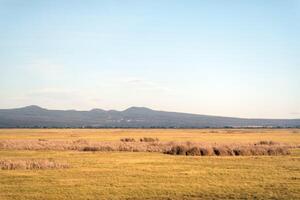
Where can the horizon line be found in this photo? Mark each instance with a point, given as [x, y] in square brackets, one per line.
[143, 108]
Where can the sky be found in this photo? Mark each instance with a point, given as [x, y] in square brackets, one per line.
[215, 57]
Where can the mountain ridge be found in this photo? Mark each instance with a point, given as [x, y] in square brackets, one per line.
[132, 117]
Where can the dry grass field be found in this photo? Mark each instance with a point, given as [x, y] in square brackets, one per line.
[41, 174]
[199, 135]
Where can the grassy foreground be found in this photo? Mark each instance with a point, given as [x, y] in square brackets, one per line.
[153, 176]
[137, 175]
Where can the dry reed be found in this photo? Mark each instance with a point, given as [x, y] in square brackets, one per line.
[31, 164]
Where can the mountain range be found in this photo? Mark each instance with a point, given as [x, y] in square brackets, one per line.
[133, 117]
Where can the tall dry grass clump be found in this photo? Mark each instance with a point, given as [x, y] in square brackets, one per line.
[31, 164]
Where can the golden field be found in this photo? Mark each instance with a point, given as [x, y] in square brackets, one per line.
[151, 175]
[196, 135]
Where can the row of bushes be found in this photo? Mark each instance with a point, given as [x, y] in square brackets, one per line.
[145, 139]
[246, 150]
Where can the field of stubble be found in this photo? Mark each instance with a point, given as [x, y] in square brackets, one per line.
[148, 175]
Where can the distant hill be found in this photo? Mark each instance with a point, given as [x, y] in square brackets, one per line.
[134, 117]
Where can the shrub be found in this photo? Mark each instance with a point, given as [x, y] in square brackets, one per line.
[283, 151]
[177, 150]
[216, 151]
[194, 151]
[272, 143]
[241, 151]
[98, 148]
[265, 142]
[237, 152]
[172, 151]
[205, 152]
[258, 150]
[148, 139]
[278, 151]
[127, 140]
[223, 151]
[90, 148]
[181, 150]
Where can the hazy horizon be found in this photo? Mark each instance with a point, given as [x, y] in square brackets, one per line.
[121, 110]
[222, 58]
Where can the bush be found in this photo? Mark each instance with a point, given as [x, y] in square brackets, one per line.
[242, 151]
[99, 148]
[205, 152]
[181, 150]
[278, 151]
[148, 139]
[223, 151]
[127, 140]
[258, 150]
[90, 148]
[177, 150]
[265, 142]
[194, 151]
[220, 151]
[283, 151]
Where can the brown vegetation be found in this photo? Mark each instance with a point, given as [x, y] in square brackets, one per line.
[82, 145]
[31, 164]
[97, 148]
[266, 142]
[127, 140]
[228, 150]
[149, 139]
[174, 148]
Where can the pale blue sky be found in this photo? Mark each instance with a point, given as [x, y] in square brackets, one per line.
[230, 58]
